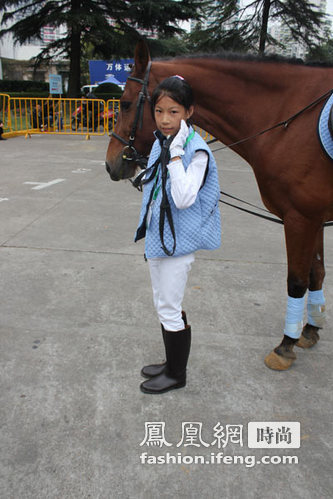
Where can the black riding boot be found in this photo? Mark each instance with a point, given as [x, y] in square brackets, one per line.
[156, 369]
[177, 349]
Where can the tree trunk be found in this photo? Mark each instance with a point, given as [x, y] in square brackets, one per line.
[74, 85]
[264, 26]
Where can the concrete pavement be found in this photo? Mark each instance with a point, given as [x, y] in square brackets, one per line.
[77, 323]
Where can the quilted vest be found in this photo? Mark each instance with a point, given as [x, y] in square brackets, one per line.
[197, 227]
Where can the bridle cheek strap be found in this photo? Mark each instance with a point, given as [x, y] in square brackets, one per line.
[138, 121]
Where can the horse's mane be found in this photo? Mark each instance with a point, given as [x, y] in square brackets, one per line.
[236, 56]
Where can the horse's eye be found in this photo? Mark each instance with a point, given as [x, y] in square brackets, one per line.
[124, 105]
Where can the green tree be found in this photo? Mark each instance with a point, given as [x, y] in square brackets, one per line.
[241, 27]
[322, 53]
[111, 27]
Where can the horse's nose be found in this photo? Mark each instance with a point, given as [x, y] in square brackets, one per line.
[108, 169]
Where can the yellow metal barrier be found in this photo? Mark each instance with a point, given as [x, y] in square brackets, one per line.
[205, 135]
[27, 115]
[112, 107]
[4, 112]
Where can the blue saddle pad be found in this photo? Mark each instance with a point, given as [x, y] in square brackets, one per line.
[325, 136]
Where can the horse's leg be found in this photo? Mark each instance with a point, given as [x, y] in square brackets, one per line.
[316, 300]
[301, 236]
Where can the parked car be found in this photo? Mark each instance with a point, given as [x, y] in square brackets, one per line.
[86, 89]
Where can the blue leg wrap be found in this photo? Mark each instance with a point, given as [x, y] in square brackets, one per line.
[316, 308]
[294, 317]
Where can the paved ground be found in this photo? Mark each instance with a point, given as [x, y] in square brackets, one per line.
[77, 324]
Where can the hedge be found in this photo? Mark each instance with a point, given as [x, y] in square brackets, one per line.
[108, 91]
[8, 86]
[33, 95]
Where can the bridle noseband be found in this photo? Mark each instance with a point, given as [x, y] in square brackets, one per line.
[129, 152]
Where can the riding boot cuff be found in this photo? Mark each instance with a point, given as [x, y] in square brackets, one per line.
[155, 369]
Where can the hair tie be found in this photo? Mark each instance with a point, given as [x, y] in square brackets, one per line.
[178, 76]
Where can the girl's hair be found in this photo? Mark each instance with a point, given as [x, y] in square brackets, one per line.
[177, 89]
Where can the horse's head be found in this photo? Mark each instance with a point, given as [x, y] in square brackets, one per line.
[133, 135]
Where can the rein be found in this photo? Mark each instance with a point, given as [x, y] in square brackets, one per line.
[265, 217]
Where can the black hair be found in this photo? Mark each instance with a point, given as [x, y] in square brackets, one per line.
[177, 89]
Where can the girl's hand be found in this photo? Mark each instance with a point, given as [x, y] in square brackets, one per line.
[177, 145]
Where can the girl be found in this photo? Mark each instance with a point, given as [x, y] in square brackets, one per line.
[179, 215]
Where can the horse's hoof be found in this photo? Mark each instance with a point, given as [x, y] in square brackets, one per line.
[277, 362]
[309, 337]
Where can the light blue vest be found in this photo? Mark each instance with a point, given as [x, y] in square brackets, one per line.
[197, 227]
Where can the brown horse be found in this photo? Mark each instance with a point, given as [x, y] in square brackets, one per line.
[236, 97]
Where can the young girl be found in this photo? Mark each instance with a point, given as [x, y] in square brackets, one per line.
[179, 215]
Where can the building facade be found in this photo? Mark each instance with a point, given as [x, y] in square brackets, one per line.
[16, 60]
[290, 47]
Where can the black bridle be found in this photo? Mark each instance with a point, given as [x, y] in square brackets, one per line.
[129, 152]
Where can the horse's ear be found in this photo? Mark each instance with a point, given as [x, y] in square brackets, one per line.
[141, 57]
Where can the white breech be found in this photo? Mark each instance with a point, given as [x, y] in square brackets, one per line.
[168, 279]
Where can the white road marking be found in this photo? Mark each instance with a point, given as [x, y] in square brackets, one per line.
[81, 170]
[42, 185]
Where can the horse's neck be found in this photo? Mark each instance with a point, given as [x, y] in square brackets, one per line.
[235, 99]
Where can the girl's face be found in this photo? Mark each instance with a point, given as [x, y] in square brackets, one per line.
[168, 115]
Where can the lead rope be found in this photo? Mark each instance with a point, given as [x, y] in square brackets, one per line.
[165, 208]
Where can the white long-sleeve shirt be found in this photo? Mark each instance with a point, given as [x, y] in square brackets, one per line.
[185, 184]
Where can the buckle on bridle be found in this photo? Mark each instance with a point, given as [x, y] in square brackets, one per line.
[132, 150]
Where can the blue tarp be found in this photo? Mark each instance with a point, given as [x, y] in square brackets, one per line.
[111, 79]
